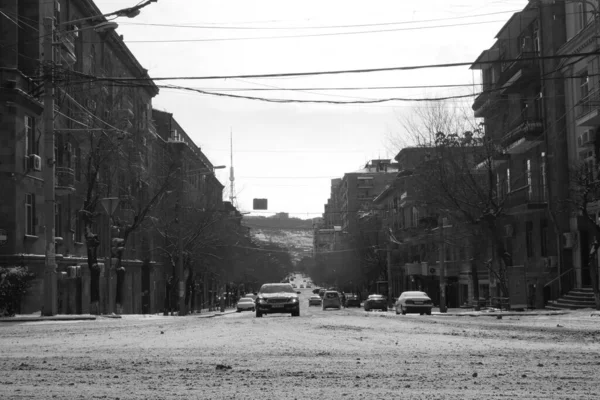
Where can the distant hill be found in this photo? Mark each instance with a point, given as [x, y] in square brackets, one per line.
[294, 233]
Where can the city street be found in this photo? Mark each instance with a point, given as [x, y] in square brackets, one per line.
[346, 354]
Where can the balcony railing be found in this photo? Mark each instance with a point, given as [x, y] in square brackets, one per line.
[523, 135]
[65, 181]
[524, 67]
[528, 195]
[588, 104]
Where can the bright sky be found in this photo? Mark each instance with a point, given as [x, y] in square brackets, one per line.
[288, 153]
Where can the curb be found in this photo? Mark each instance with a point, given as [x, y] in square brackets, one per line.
[219, 314]
[53, 318]
[500, 314]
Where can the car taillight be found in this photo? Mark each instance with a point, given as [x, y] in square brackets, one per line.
[410, 302]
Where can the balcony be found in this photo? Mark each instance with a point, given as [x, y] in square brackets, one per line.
[518, 73]
[484, 103]
[364, 183]
[495, 162]
[526, 198]
[65, 181]
[525, 135]
[66, 40]
[587, 110]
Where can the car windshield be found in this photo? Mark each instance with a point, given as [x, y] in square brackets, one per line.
[376, 296]
[246, 300]
[414, 294]
[331, 295]
[277, 289]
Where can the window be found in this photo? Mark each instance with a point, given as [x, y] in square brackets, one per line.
[528, 179]
[78, 164]
[415, 217]
[30, 214]
[30, 144]
[529, 238]
[544, 238]
[78, 237]
[58, 219]
[543, 172]
[584, 86]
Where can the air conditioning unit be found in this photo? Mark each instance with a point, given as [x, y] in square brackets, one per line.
[90, 104]
[586, 139]
[35, 162]
[570, 239]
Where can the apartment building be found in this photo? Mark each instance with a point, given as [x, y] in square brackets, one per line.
[522, 106]
[108, 144]
[582, 117]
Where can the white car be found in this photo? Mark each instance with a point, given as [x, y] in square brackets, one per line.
[245, 304]
[413, 302]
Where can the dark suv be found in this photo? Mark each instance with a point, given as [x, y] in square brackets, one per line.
[277, 298]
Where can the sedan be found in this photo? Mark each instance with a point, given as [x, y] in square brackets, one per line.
[245, 304]
[376, 302]
[352, 300]
[332, 299]
[413, 302]
[314, 300]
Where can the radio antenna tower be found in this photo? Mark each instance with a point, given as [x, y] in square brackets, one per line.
[231, 175]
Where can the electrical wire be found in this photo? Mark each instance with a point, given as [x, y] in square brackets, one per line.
[200, 26]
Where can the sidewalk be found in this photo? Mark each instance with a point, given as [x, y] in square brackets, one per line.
[36, 317]
[496, 312]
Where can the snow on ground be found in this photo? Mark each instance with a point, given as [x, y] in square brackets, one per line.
[347, 354]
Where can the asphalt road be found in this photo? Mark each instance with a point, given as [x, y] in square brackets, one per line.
[346, 354]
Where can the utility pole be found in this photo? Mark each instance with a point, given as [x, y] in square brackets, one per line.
[180, 269]
[390, 293]
[442, 267]
[49, 306]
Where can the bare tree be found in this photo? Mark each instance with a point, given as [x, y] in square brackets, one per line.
[459, 180]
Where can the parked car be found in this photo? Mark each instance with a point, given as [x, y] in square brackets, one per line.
[314, 300]
[277, 298]
[352, 300]
[376, 302]
[413, 302]
[332, 299]
[253, 296]
[245, 304]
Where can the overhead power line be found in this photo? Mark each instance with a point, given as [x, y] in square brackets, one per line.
[311, 34]
[217, 26]
[346, 71]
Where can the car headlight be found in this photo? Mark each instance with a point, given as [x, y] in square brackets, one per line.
[294, 300]
[262, 301]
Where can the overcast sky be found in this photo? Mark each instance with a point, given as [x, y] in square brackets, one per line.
[289, 152]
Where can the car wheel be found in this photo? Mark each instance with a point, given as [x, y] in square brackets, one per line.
[402, 310]
[296, 313]
[384, 309]
[238, 310]
[396, 309]
[258, 314]
[366, 308]
[428, 312]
